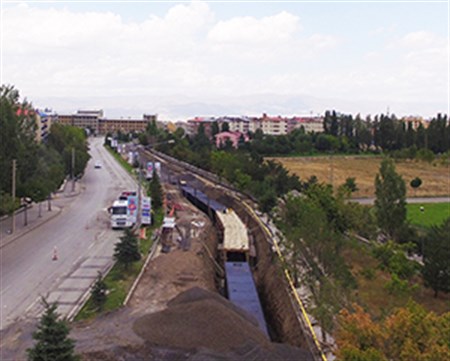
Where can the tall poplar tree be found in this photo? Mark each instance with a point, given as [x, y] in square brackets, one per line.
[390, 202]
[436, 256]
[155, 191]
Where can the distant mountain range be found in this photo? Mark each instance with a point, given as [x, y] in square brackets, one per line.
[182, 107]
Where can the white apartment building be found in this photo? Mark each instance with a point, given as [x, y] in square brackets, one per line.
[270, 125]
[309, 123]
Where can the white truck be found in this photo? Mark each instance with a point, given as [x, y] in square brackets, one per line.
[120, 215]
[124, 210]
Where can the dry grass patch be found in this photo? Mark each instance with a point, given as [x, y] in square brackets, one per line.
[336, 169]
[372, 292]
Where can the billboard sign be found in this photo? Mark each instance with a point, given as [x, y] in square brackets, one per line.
[146, 217]
[158, 168]
[132, 208]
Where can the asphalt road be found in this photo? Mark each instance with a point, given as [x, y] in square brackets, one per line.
[417, 200]
[83, 240]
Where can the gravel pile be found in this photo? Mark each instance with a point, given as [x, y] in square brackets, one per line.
[200, 319]
[200, 325]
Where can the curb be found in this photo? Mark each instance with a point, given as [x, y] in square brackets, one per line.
[144, 266]
[85, 297]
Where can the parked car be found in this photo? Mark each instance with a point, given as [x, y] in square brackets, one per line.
[97, 164]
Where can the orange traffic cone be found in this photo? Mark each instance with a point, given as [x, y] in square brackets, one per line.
[55, 254]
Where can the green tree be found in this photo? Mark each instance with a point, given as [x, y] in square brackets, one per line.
[126, 251]
[7, 204]
[64, 138]
[387, 133]
[18, 125]
[51, 336]
[215, 128]
[98, 292]
[155, 191]
[225, 127]
[390, 202]
[436, 256]
[415, 183]
[350, 184]
[410, 135]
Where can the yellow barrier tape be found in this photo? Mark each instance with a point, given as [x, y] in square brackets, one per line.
[291, 284]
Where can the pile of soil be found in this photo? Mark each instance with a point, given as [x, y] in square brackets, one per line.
[199, 319]
[200, 325]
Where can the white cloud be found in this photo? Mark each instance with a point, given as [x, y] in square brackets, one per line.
[252, 31]
[50, 53]
[421, 39]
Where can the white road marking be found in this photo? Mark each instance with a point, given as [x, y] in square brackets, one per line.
[5, 289]
[77, 260]
[32, 305]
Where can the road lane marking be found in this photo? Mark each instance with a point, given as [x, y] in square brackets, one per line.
[5, 289]
[77, 260]
[32, 304]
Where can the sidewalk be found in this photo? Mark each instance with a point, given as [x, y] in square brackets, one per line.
[31, 215]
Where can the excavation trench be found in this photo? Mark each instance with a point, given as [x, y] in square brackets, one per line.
[279, 310]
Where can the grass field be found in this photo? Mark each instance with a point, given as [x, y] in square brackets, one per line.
[433, 213]
[336, 169]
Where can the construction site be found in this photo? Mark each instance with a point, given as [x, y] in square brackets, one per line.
[181, 308]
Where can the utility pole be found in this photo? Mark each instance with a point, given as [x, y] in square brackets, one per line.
[13, 192]
[73, 169]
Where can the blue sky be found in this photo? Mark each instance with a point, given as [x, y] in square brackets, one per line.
[181, 59]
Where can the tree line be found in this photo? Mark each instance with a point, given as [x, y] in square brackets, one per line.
[265, 181]
[344, 133]
[40, 167]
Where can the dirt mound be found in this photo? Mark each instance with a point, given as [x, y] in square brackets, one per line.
[199, 320]
[199, 294]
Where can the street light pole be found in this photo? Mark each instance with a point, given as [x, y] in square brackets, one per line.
[73, 169]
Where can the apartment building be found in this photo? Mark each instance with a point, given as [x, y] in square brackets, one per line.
[122, 125]
[96, 122]
[416, 121]
[235, 124]
[44, 120]
[309, 123]
[267, 124]
[194, 124]
[272, 125]
[86, 119]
